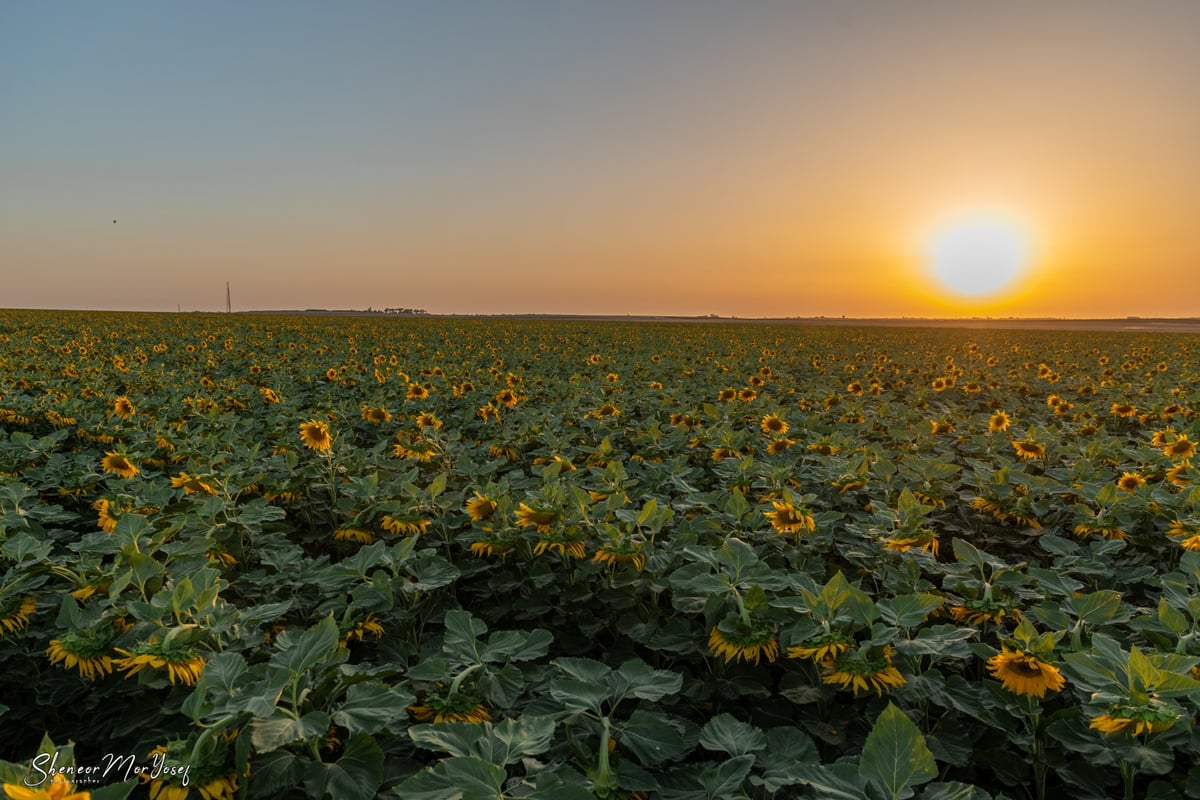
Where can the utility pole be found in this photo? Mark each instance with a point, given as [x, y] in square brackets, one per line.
[228, 305]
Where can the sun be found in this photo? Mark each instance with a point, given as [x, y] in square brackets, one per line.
[977, 255]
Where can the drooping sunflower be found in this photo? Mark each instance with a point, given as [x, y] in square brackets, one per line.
[859, 672]
[369, 626]
[1030, 450]
[480, 507]
[777, 446]
[59, 788]
[401, 526]
[786, 518]
[191, 485]
[15, 615]
[540, 519]
[442, 705]
[736, 640]
[1123, 410]
[615, 553]
[1024, 673]
[493, 545]
[1130, 481]
[563, 544]
[1137, 720]
[315, 435]
[212, 780]
[117, 464]
[999, 422]
[123, 407]
[937, 427]
[182, 664]
[980, 612]
[353, 535]
[925, 539]
[1178, 474]
[826, 646]
[86, 651]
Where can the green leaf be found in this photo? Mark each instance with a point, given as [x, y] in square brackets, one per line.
[299, 651]
[788, 751]
[654, 737]
[895, 754]
[908, 610]
[518, 645]
[371, 707]
[840, 781]
[279, 730]
[953, 790]
[727, 734]
[458, 778]
[462, 630]
[579, 696]
[515, 739]
[636, 678]
[1098, 607]
[357, 775]
[583, 669]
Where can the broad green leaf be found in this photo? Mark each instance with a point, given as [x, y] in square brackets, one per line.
[462, 631]
[279, 730]
[579, 696]
[636, 678]
[458, 778]
[517, 645]
[357, 775]
[1099, 607]
[298, 651]
[788, 751]
[840, 781]
[909, 610]
[371, 707]
[727, 734]
[654, 737]
[895, 755]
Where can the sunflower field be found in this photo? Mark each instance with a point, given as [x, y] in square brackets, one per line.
[356, 557]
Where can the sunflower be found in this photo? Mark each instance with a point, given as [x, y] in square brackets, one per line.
[564, 546]
[777, 446]
[999, 422]
[528, 517]
[924, 539]
[786, 518]
[404, 527]
[489, 546]
[726, 394]
[825, 647]
[474, 713]
[488, 412]
[507, 398]
[1123, 410]
[176, 774]
[1130, 481]
[621, 553]
[1022, 673]
[1030, 450]
[981, 612]
[416, 392]
[480, 507]
[747, 394]
[1093, 527]
[183, 664]
[361, 630]
[941, 427]
[376, 416]
[1181, 448]
[605, 410]
[353, 535]
[268, 394]
[315, 435]
[771, 424]
[1178, 473]
[191, 485]
[858, 672]
[79, 650]
[123, 408]
[735, 639]
[1137, 720]
[118, 465]
[59, 788]
[16, 616]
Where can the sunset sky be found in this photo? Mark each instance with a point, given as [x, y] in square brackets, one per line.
[622, 157]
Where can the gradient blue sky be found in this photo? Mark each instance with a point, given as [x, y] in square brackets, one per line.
[674, 157]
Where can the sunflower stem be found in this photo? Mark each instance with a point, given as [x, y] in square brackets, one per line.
[460, 677]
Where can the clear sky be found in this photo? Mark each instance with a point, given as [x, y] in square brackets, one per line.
[665, 157]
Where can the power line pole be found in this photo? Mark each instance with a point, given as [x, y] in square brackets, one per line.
[228, 305]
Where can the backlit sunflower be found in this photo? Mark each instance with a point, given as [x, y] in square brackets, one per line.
[182, 664]
[123, 408]
[15, 615]
[737, 640]
[315, 435]
[999, 422]
[1030, 450]
[118, 465]
[1026, 674]
[1130, 481]
[59, 788]
[863, 673]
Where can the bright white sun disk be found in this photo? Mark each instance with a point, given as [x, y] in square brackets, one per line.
[978, 255]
